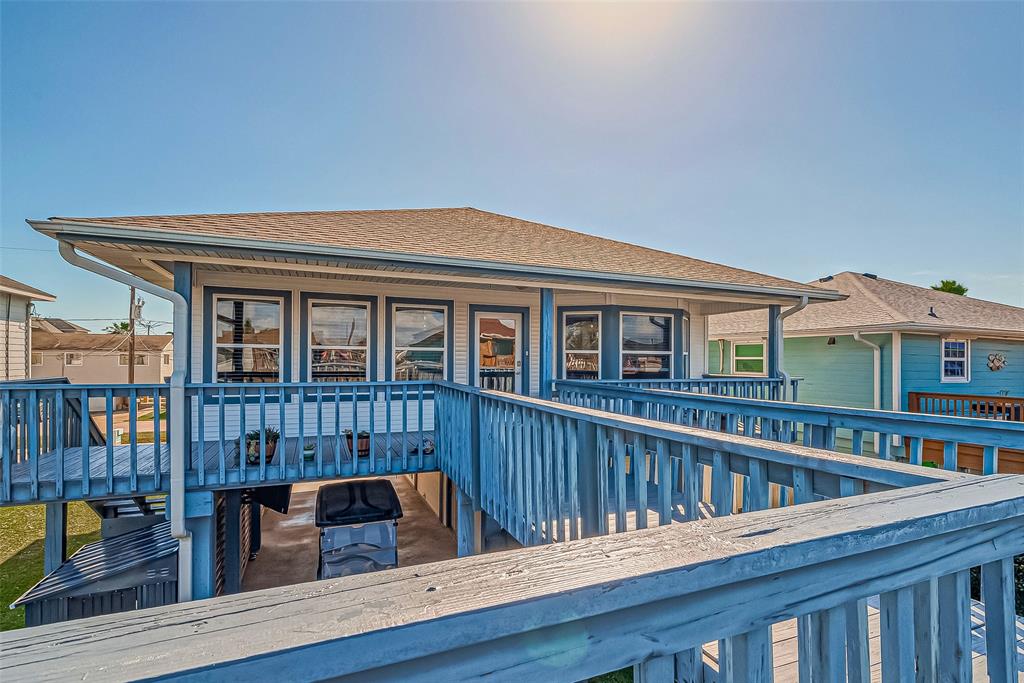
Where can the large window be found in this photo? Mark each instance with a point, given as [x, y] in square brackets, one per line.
[339, 335]
[582, 346]
[140, 359]
[748, 358]
[956, 360]
[247, 339]
[420, 336]
[646, 345]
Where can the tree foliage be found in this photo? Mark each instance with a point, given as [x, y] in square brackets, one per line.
[951, 286]
[121, 327]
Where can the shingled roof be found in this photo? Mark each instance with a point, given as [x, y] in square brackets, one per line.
[86, 341]
[877, 303]
[12, 286]
[452, 233]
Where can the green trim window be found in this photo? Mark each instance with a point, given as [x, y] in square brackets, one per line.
[582, 346]
[748, 358]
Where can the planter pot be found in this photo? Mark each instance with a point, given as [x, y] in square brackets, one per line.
[252, 451]
[309, 453]
[363, 445]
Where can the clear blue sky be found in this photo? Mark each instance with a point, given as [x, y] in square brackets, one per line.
[795, 139]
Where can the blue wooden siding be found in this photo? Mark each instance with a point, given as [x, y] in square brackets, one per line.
[921, 368]
[840, 374]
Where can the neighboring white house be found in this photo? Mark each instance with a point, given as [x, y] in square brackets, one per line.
[16, 303]
[86, 358]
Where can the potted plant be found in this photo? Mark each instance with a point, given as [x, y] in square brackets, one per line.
[309, 452]
[252, 444]
[363, 442]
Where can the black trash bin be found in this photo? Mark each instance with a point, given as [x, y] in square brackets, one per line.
[358, 523]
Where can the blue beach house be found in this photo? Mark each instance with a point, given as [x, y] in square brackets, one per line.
[889, 345]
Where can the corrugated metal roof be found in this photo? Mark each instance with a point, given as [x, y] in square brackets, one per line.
[105, 559]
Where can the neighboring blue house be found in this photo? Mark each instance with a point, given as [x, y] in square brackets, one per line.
[886, 341]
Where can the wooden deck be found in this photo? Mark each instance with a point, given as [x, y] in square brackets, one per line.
[785, 656]
[111, 470]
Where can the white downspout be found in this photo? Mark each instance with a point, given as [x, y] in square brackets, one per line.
[176, 407]
[876, 374]
[781, 338]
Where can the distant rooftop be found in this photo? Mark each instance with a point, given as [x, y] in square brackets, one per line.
[11, 286]
[876, 303]
[86, 341]
[57, 325]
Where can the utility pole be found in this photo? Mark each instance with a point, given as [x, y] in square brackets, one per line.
[131, 338]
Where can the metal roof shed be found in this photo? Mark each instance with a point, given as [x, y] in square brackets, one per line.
[131, 571]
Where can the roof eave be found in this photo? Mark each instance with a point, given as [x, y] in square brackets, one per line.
[52, 228]
[910, 328]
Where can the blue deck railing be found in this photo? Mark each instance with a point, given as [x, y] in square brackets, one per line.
[814, 425]
[768, 388]
[864, 588]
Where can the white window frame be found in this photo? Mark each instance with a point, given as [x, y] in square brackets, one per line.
[309, 334]
[395, 348]
[566, 351]
[166, 359]
[279, 300]
[32, 358]
[763, 357]
[966, 359]
[671, 353]
[122, 360]
[68, 362]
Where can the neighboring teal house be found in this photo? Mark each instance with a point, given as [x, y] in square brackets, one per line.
[886, 340]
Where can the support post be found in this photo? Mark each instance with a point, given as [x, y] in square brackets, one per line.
[469, 523]
[256, 530]
[774, 341]
[201, 523]
[547, 339]
[232, 541]
[55, 549]
[588, 479]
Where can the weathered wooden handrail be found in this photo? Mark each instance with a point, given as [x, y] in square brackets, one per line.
[1009, 408]
[783, 421]
[552, 472]
[769, 388]
[570, 611]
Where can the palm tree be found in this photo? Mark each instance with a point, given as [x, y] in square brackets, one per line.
[951, 286]
[121, 327]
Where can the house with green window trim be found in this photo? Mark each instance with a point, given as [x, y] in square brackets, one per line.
[886, 342]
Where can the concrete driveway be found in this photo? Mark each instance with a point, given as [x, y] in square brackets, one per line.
[291, 542]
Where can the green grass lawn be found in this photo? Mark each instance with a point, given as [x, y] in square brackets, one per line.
[21, 551]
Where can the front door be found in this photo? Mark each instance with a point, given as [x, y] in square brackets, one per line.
[499, 351]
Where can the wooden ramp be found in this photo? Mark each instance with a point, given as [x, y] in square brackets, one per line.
[787, 668]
